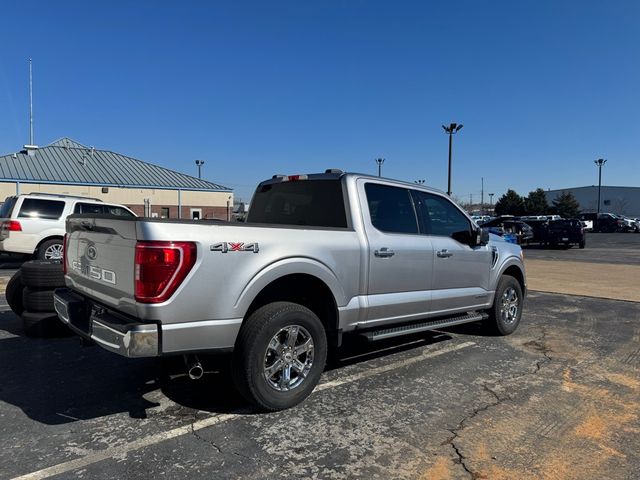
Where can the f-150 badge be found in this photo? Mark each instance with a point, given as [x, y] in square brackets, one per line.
[225, 247]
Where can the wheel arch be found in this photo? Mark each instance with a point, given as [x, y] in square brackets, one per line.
[46, 239]
[306, 283]
[518, 273]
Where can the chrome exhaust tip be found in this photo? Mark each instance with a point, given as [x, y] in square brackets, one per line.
[194, 367]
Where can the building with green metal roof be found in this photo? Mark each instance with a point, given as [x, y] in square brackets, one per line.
[69, 167]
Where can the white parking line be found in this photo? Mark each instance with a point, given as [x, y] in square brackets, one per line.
[147, 441]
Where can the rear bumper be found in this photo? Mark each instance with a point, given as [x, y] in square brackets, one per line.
[133, 338]
[111, 331]
[12, 244]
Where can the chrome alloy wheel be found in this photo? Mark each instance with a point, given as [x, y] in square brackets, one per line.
[289, 358]
[53, 252]
[509, 305]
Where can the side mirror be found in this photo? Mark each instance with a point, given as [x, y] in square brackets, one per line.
[482, 236]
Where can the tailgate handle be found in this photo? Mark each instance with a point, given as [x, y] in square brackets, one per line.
[87, 225]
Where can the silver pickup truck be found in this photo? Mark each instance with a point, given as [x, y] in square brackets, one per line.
[320, 255]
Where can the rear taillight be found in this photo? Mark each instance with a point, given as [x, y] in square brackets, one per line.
[64, 253]
[160, 268]
[12, 226]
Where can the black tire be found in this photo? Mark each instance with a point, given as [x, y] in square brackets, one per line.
[50, 250]
[43, 325]
[42, 274]
[38, 300]
[503, 318]
[267, 324]
[13, 293]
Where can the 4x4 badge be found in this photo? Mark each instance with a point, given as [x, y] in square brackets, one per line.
[225, 247]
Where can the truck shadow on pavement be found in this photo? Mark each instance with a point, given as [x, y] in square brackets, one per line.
[57, 380]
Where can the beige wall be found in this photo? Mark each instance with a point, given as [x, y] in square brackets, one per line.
[213, 204]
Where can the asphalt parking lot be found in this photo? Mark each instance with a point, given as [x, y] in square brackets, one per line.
[559, 399]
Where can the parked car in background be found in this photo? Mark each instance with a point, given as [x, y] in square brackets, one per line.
[509, 225]
[539, 227]
[34, 223]
[630, 225]
[603, 222]
[566, 232]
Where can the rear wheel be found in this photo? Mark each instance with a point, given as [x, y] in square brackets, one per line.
[279, 355]
[50, 250]
[505, 314]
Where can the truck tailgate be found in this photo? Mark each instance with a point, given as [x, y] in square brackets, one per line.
[99, 256]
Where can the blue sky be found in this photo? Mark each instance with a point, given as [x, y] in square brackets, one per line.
[255, 88]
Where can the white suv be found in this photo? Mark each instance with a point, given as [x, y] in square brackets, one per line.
[34, 223]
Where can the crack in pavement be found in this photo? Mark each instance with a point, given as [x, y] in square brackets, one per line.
[539, 345]
[219, 450]
[461, 459]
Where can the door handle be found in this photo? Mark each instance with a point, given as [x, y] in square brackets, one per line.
[444, 253]
[384, 252]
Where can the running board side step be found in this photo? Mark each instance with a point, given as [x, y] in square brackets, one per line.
[373, 335]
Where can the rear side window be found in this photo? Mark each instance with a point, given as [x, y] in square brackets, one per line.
[88, 208]
[391, 208]
[7, 207]
[316, 203]
[39, 208]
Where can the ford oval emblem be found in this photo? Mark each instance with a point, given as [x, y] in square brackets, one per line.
[92, 253]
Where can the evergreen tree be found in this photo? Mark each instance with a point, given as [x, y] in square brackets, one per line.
[510, 204]
[566, 205]
[536, 203]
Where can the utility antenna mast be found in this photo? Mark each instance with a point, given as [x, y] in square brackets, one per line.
[30, 103]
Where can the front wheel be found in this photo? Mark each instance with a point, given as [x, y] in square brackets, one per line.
[279, 355]
[505, 314]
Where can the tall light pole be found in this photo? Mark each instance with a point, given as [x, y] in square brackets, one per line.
[451, 130]
[380, 161]
[199, 163]
[600, 162]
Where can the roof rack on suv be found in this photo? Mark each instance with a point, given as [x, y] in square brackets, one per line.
[62, 195]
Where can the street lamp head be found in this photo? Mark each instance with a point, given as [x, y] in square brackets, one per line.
[600, 162]
[380, 161]
[199, 162]
[452, 128]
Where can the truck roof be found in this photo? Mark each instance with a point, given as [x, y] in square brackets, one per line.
[335, 174]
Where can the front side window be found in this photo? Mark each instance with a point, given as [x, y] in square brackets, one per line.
[441, 217]
[40, 208]
[391, 208]
[117, 211]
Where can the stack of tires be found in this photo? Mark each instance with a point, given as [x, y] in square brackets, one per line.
[30, 295]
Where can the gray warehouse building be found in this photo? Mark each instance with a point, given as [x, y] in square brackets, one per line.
[70, 168]
[619, 200]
